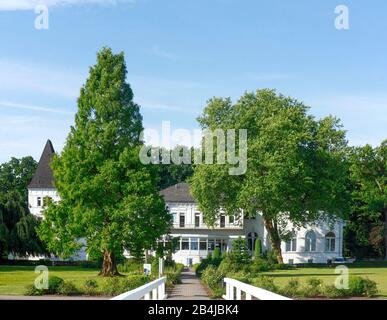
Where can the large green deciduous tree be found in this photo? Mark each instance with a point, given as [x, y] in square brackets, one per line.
[369, 179]
[108, 197]
[17, 225]
[296, 166]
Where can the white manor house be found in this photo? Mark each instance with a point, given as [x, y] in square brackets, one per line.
[321, 242]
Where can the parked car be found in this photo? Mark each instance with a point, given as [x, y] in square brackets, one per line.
[342, 260]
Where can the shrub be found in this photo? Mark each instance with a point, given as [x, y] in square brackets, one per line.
[212, 277]
[31, 290]
[117, 285]
[240, 251]
[266, 283]
[195, 266]
[54, 285]
[313, 288]
[359, 286]
[131, 266]
[258, 249]
[332, 292]
[68, 288]
[90, 287]
[216, 253]
[217, 292]
[260, 265]
[292, 289]
[229, 264]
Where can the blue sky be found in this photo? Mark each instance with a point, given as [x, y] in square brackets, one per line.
[181, 53]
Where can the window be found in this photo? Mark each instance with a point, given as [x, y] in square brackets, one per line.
[310, 261]
[290, 261]
[39, 201]
[222, 221]
[174, 214]
[194, 244]
[182, 220]
[203, 244]
[197, 220]
[251, 237]
[330, 242]
[185, 244]
[211, 245]
[231, 219]
[291, 244]
[310, 241]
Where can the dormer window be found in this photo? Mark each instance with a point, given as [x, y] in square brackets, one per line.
[182, 220]
[197, 220]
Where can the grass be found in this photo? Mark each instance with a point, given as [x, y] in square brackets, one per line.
[376, 271]
[14, 279]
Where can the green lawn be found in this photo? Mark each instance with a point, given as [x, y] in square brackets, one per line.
[14, 279]
[376, 271]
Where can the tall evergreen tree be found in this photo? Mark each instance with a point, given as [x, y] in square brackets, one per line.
[108, 197]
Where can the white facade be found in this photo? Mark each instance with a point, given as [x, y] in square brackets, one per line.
[196, 240]
[36, 198]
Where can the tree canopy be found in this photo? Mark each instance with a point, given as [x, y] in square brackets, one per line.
[17, 225]
[367, 228]
[296, 166]
[108, 197]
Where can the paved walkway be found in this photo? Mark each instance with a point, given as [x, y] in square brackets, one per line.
[189, 289]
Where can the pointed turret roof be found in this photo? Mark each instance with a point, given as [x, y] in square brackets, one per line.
[43, 177]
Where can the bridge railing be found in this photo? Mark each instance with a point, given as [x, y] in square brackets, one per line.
[154, 290]
[235, 289]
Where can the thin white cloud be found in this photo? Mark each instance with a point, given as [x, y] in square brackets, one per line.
[13, 5]
[22, 77]
[157, 51]
[13, 105]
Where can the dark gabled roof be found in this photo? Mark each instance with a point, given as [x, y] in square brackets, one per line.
[43, 177]
[177, 193]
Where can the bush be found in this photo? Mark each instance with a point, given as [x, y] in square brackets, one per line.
[31, 290]
[292, 289]
[332, 292]
[117, 285]
[212, 277]
[260, 265]
[90, 287]
[131, 266]
[216, 253]
[314, 288]
[68, 288]
[359, 286]
[258, 249]
[54, 285]
[229, 264]
[266, 283]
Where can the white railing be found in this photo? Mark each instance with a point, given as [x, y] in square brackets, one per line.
[154, 290]
[249, 291]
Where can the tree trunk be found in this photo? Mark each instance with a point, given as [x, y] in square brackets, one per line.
[274, 239]
[109, 265]
[385, 233]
